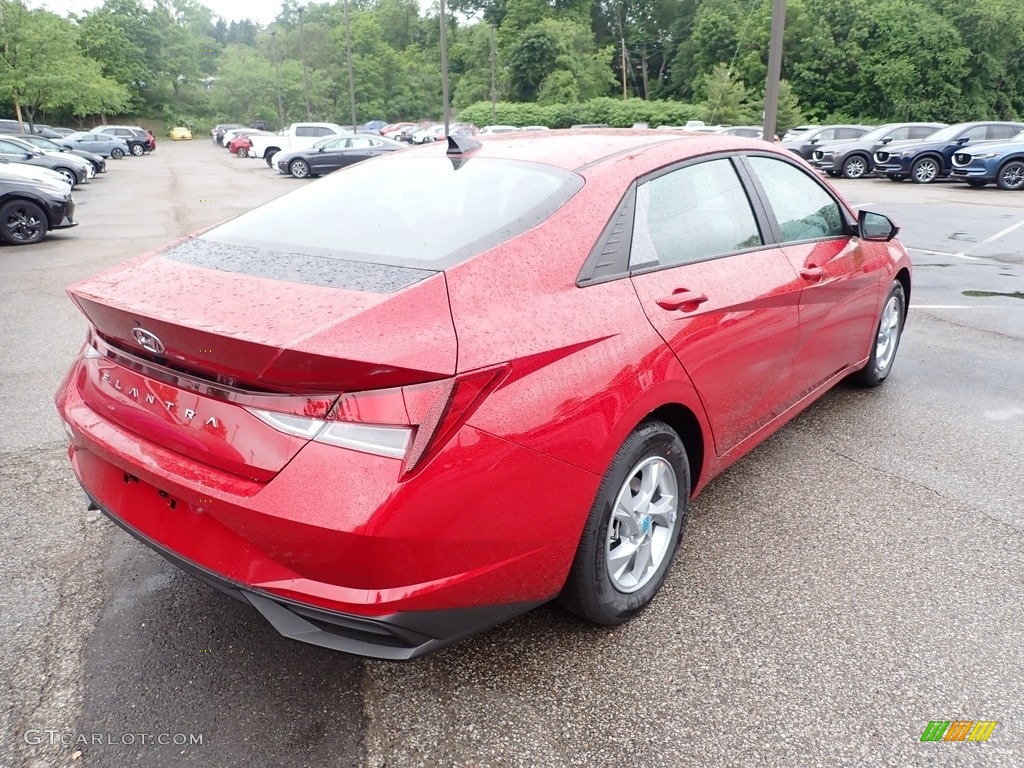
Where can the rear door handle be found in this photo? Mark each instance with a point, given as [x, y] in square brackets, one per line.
[683, 299]
[812, 273]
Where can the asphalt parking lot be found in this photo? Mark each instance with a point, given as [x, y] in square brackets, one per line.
[857, 576]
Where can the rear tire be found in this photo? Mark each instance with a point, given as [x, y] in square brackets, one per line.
[633, 531]
[22, 222]
[888, 333]
[242, 152]
[138, 150]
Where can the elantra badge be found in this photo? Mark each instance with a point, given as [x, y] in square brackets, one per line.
[148, 340]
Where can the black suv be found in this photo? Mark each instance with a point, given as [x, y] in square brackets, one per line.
[139, 140]
[930, 159]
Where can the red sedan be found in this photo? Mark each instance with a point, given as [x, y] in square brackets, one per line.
[240, 145]
[498, 379]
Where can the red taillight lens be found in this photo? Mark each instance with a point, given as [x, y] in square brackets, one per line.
[410, 423]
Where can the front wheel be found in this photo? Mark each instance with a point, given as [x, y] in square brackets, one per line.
[925, 170]
[22, 222]
[137, 150]
[68, 175]
[1011, 175]
[117, 153]
[634, 528]
[855, 167]
[887, 339]
[299, 169]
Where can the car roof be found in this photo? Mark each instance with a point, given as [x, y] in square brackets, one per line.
[579, 150]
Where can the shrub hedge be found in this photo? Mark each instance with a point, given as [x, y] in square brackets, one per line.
[617, 113]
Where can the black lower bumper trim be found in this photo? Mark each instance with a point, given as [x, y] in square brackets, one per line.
[394, 637]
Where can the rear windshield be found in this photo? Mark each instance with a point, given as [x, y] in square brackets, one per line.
[426, 212]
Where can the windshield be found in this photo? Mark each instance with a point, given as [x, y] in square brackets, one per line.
[950, 132]
[427, 212]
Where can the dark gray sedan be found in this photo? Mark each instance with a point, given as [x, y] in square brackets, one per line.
[97, 161]
[805, 144]
[74, 170]
[99, 143]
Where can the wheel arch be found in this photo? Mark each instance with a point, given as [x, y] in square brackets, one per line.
[47, 213]
[684, 423]
[903, 276]
[270, 151]
[1017, 158]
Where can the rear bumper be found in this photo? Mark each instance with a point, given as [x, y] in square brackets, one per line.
[393, 637]
[336, 539]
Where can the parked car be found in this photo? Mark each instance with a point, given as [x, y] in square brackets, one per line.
[343, 406]
[428, 135]
[332, 153]
[929, 159]
[66, 131]
[393, 130]
[75, 170]
[103, 144]
[180, 133]
[217, 133]
[139, 140]
[46, 132]
[854, 159]
[296, 136]
[808, 141]
[34, 173]
[992, 162]
[797, 130]
[99, 165]
[241, 143]
[259, 125]
[29, 209]
[744, 131]
[489, 130]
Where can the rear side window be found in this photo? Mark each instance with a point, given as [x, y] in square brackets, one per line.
[849, 133]
[695, 213]
[305, 130]
[921, 132]
[997, 132]
[424, 212]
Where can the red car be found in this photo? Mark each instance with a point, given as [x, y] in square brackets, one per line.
[500, 382]
[240, 145]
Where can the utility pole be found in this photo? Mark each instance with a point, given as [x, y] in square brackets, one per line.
[277, 77]
[351, 71]
[305, 76]
[444, 69]
[494, 80]
[771, 86]
[623, 68]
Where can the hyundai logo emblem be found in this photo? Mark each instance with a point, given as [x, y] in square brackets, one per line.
[148, 340]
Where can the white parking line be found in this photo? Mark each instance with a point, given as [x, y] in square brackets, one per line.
[987, 240]
[928, 252]
[960, 306]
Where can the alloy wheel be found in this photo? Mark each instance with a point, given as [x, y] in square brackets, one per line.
[888, 334]
[23, 224]
[641, 527]
[137, 150]
[299, 169]
[1011, 175]
[854, 167]
[925, 170]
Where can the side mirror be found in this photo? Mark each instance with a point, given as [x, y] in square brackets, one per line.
[963, 140]
[29, 155]
[813, 141]
[887, 139]
[876, 227]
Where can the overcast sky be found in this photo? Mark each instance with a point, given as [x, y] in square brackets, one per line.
[263, 11]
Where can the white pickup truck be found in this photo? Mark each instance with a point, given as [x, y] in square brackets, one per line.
[295, 136]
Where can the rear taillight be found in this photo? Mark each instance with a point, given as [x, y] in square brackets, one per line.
[410, 423]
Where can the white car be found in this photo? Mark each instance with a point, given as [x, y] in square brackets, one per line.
[43, 176]
[295, 136]
[487, 130]
[429, 134]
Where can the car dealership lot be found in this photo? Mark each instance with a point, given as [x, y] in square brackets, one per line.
[854, 578]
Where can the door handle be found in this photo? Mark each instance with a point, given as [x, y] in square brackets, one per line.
[812, 273]
[683, 299]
